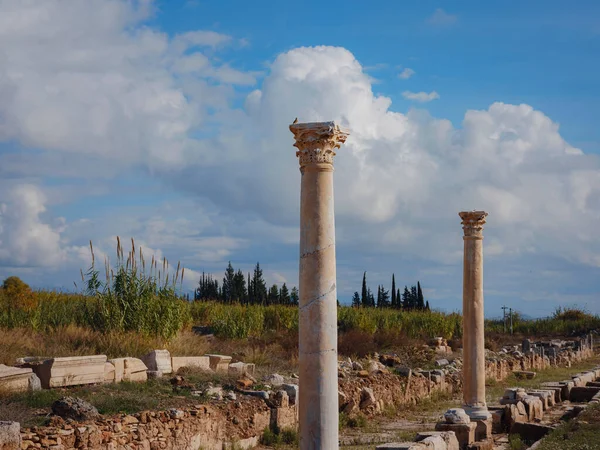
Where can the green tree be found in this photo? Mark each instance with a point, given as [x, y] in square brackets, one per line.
[228, 287]
[356, 300]
[427, 308]
[398, 299]
[414, 298]
[284, 295]
[239, 292]
[406, 304]
[420, 299]
[383, 298]
[259, 286]
[365, 297]
[394, 305]
[273, 295]
[294, 297]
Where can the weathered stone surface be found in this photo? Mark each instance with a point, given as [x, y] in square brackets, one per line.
[74, 408]
[281, 399]
[35, 384]
[404, 446]
[275, 379]
[69, 371]
[109, 372]
[448, 438]
[483, 430]
[534, 407]
[292, 392]
[197, 362]
[129, 369]
[241, 368]
[219, 363]
[465, 432]
[498, 424]
[154, 374]
[583, 393]
[159, 360]
[456, 415]
[10, 436]
[14, 379]
[442, 362]
[367, 398]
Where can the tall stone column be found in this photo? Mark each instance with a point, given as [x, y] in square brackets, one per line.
[318, 402]
[473, 320]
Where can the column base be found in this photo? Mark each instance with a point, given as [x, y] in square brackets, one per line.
[477, 412]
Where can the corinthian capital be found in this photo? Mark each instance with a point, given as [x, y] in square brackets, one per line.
[472, 222]
[316, 141]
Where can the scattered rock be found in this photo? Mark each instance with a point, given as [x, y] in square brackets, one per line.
[523, 374]
[231, 396]
[357, 366]
[10, 436]
[74, 408]
[442, 362]
[363, 374]
[35, 383]
[214, 392]
[176, 413]
[275, 379]
[456, 415]
[292, 392]
[367, 398]
[244, 383]
[281, 399]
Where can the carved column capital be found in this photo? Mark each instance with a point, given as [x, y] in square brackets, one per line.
[473, 222]
[316, 141]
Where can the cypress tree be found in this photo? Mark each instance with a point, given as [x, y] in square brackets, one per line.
[379, 304]
[365, 298]
[414, 298]
[394, 291]
[273, 295]
[239, 293]
[420, 300]
[427, 306]
[398, 299]
[259, 286]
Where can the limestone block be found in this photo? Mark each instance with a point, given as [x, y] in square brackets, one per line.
[483, 430]
[284, 417]
[404, 446]
[129, 369]
[70, 371]
[197, 362]
[534, 407]
[219, 363]
[556, 388]
[10, 436]
[14, 379]
[514, 414]
[447, 437]
[567, 386]
[241, 368]
[498, 423]
[292, 392]
[158, 360]
[109, 372]
[465, 432]
[35, 383]
[524, 374]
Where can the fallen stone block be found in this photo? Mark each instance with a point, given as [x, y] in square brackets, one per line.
[534, 407]
[530, 432]
[159, 360]
[292, 391]
[109, 372]
[567, 386]
[524, 374]
[10, 436]
[543, 396]
[74, 408]
[515, 414]
[14, 379]
[197, 362]
[583, 394]
[284, 418]
[241, 368]
[498, 425]
[219, 363]
[440, 439]
[129, 369]
[465, 432]
[557, 388]
[69, 371]
[404, 446]
[483, 429]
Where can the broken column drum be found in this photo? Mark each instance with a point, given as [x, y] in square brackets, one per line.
[318, 393]
[473, 320]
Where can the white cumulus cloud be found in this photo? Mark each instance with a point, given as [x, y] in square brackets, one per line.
[406, 74]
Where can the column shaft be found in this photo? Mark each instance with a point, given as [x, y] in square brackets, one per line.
[473, 317]
[318, 311]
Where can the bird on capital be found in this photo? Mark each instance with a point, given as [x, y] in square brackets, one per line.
[295, 120]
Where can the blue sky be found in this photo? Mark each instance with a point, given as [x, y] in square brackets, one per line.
[167, 122]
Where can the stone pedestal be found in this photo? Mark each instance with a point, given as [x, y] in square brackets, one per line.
[318, 403]
[465, 432]
[473, 322]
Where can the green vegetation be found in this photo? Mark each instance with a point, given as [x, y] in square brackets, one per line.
[580, 433]
[564, 322]
[277, 438]
[515, 442]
